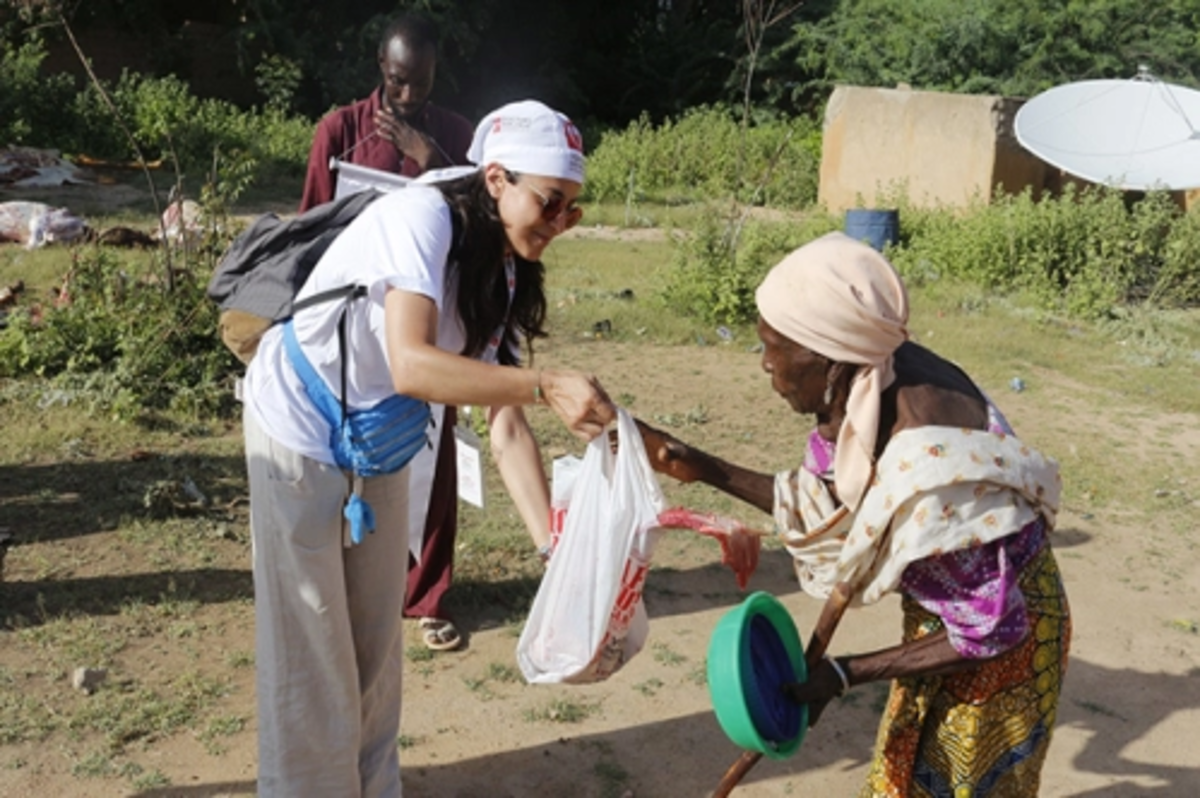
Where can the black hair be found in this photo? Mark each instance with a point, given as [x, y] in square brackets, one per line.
[417, 32]
[476, 267]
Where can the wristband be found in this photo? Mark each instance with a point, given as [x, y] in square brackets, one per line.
[538, 397]
[544, 552]
[841, 672]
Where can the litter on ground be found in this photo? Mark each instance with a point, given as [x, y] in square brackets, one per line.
[29, 167]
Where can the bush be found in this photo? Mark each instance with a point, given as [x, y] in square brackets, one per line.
[718, 265]
[30, 103]
[1082, 254]
[133, 345]
[167, 122]
[163, 116]
[1085, 254]
[705, 156]
[124, 336]
[1174, 279]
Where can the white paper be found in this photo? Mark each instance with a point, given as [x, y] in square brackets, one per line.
[420, 482]
[352, 178]
[470, 466]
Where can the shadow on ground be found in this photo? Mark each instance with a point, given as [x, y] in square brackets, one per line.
[35, 602]
[73, 498]
[692, 753]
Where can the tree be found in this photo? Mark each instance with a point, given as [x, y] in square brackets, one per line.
[1011, 47]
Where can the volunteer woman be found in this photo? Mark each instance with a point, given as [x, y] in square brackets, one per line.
[451, 284]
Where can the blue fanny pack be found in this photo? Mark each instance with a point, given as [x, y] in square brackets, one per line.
[368, 443]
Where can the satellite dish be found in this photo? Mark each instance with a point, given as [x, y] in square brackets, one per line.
[1138, 134]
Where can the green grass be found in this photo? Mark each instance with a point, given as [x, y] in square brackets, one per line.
[649, 687]
[40, 269]
[562, 710]
[154, 779]
[664, 655]
[591, 281]
[421, 653]
[503, 672]
[496, 673]
[1185, 625]
[219, 728]
[124, 714]
[97, 764]
[24, 716]
[641, 214]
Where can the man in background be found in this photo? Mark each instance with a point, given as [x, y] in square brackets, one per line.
[398, 130]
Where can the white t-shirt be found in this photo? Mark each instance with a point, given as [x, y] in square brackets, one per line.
[401, 240]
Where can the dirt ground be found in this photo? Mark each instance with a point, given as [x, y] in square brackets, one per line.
[1127, 726]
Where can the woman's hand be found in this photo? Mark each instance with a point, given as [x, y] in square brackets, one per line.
[579, 400]
[671, 456]
[823, 685]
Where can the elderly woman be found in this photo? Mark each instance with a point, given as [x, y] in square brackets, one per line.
[911, 482]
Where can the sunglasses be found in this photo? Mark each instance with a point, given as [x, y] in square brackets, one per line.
[552, 207]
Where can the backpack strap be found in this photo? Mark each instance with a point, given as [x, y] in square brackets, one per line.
[323, 398]
[348, 292]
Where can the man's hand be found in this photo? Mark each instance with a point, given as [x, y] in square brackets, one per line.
[407, 140]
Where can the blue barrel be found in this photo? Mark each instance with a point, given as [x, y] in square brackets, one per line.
[875, 227]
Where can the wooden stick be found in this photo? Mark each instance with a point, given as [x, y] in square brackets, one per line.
[736, 771]
[818, 644]
[827, 622]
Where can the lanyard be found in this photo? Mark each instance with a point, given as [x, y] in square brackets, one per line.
[493, 345]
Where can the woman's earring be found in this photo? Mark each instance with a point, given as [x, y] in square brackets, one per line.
[828, 393]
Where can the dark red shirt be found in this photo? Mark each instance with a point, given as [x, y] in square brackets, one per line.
[345, 127]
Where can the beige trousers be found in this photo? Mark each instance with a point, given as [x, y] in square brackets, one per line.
[328, 627]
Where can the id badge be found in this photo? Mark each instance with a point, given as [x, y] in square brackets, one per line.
[467, 451]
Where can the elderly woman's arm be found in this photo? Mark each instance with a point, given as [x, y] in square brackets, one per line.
[977, 594]
[671, 456]
[932, 655]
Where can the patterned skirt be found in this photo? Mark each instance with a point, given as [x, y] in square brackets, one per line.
[985, 731]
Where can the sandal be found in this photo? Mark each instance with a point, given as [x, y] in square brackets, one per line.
[439, 634]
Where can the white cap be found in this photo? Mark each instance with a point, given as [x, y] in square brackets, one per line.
[529, 138]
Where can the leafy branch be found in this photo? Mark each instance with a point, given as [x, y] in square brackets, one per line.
[137, 150]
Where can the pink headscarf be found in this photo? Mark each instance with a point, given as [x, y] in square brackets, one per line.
[841, 299]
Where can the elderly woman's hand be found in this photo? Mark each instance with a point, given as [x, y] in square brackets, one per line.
[823, 685]
[579, 400]
[671, 456]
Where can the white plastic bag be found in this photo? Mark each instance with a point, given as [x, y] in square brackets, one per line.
[562, 485]
[588, 619]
